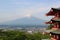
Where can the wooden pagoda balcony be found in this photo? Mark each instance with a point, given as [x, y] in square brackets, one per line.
[55, 28]
[54, 37]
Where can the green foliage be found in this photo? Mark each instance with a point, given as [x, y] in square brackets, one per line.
[20, 35]
[50, 26]
[45, 36]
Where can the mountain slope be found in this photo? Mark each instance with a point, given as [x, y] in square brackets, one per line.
[26, 21]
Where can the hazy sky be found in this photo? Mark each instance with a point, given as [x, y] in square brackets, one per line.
[14, 9]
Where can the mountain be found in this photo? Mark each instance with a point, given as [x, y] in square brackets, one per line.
[26, 21]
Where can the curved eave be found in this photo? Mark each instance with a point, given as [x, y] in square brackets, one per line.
[49, 15]
[48, 31]
[57, 9]
[56, 33]
[55, 20]
[48, 23]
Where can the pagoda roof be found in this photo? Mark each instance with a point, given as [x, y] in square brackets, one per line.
[55, 32]
[53, 11]
[48, 31]
[48, 22]
[56, 9]
[53, 21]
[56, 20]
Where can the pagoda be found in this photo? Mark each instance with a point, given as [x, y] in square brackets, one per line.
[55, 21]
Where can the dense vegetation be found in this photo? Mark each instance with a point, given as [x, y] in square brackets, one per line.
[20, 35]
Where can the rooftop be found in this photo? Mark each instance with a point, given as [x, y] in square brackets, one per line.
[56, 31]
[56, 8]
[56, 20]
[53, 11]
